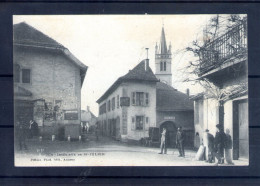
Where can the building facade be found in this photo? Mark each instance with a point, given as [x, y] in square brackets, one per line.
[126, 110]
[226, 68]
[47, 83]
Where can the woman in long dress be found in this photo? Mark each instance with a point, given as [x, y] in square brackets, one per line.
[228, 147]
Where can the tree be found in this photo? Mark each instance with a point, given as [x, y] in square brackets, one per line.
[204, 50]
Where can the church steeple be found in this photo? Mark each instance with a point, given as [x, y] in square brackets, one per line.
[163, 60]
[163, 46]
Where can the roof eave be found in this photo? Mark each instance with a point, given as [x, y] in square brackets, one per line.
[65, 51]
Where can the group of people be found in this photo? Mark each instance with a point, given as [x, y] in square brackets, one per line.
[179, 142]
[24, 131]
[214, 147]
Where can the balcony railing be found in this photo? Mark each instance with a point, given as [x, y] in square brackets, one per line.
[231, 44]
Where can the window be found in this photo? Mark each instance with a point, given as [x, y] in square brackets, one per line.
[113, 103]
[161, 66]
[16, 73]
[164, 66]
[26, 75]
[139, 122]
[117, 101]
[140, 98]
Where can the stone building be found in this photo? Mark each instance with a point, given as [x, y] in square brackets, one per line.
[47, 83]
[127, 108]
[142, 100]
[226, 68]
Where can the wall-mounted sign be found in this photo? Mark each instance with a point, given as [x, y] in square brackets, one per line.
[169, 118]
[125, 101]
[70, 115]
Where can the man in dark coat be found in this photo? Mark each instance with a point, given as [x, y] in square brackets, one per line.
[179, 142]
[219, 143]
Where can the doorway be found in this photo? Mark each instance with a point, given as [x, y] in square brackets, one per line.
[240, 129]
[23, 111]
[171, 131]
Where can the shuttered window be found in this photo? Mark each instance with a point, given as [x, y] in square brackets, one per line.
[26, 75]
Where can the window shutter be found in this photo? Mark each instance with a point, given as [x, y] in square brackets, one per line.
[146, 123]
[133, 123]
[133, 98]
[147, 99]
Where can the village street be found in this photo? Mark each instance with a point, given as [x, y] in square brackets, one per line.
[105, 151]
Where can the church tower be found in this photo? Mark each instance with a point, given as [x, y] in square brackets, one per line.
[163, 61]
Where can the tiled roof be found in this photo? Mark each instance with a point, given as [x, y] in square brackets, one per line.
[137, 74]
[169, 99]
[26, 34]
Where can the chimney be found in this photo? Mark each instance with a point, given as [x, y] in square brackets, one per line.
[188, 92]
[146, 64]
[87, 108]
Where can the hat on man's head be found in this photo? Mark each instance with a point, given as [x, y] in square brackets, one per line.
[207, 130]
[219, 126]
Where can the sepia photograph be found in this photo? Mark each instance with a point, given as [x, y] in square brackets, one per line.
[130, 90]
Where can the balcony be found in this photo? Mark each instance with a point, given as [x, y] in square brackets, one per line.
[232, 45]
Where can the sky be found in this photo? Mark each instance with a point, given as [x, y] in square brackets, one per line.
[111, 45]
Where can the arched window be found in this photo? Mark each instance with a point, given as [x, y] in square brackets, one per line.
[161, 66]
[164, 66]
[16, 73]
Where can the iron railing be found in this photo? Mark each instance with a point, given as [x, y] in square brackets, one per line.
[230, 44]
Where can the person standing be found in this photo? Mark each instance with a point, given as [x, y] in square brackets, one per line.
[210, 146]
[179, 142]
[34, 131]
[21, 132]
[163, 142]
[228, 147]
[197, 141]
[219, 143]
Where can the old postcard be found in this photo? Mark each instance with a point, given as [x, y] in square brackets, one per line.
[130, 90]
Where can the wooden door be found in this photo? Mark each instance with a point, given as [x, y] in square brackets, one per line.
[240, 129]
[243, 130]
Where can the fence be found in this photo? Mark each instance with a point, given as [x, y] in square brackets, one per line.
[230, 44]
